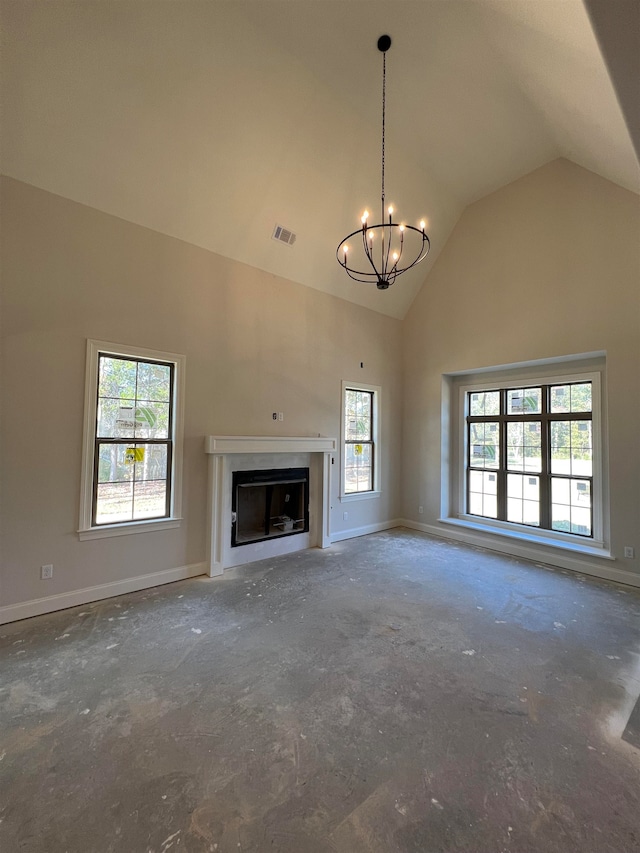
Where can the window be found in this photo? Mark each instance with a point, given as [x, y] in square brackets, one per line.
[360, 442]
[132, 447]
[524, 452]
[530, 456]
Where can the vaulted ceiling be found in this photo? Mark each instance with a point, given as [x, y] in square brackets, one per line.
[214, 120]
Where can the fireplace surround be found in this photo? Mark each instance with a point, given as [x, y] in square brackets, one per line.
[233, 454]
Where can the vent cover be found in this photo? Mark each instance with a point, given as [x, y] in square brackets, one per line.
[283, 235]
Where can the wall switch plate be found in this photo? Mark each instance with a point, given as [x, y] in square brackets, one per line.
[46, 572]
[345, 516]
[420, 510]
[629, 552]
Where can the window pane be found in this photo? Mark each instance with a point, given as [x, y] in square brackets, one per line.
[358, 415]
[484, 445]
[571, 505]
[571, 398]
[489, 507]
[116, 418]
[581, 452]
[523, 446]
[114, 502]
[581, 397]
[123, 471]
[152, 419]
[113, 466]
[560, 398]
[154, 382]
[484, 403]
[475, 481]
[514, 510]
[116, 377]
[524, 401]
[532, 458]
[571, 448]
[358, 472]
[531, 513]
[149, 499]
[475, 503]
[515, 449]
[150, 461]
[483, 488]
[561, 447]
[523, 499]
[532, 446]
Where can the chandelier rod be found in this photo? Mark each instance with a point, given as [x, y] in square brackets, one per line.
[384, 101]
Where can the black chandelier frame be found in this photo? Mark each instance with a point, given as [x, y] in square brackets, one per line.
[391, 265]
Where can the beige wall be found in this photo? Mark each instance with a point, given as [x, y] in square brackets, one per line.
[548, 266]
[254, 343]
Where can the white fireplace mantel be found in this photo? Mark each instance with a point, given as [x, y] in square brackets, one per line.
[268, 444]
[222, 449]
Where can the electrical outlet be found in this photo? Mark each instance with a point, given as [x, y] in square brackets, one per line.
[420, 510]
[345, 516]
[629, 552]
[280, 416]
[46, 572]
[275, 416]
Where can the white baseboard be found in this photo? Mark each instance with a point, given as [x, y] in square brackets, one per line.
[51, 603]
[368, 528]
[572, 562]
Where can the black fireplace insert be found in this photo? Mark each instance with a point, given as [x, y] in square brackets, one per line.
[269, 504]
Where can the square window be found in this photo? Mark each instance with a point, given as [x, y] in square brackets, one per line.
[544, 475]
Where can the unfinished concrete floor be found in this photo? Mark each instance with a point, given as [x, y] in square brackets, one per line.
[393, 693]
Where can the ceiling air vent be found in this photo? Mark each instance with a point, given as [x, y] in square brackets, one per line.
[283, 235]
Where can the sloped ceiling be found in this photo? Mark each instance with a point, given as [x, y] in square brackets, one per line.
[213, 120]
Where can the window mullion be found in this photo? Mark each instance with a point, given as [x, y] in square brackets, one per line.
[545, 454]
[502, 467]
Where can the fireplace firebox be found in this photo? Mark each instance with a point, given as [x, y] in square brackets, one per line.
[268, 504]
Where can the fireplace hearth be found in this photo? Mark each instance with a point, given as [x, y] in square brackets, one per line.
[269, 504]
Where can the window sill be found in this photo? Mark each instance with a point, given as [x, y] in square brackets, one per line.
[358, 496]
[547, 539]
[108, 530]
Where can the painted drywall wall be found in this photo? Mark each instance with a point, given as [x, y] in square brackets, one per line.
[546, 267]
[254, 344]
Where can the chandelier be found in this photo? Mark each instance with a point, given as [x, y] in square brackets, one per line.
[390, 248]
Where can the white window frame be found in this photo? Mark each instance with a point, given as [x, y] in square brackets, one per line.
[346, 497]
[454, 491]
[86, 530]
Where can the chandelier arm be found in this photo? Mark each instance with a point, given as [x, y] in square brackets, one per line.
[401, 248]
[386, 263]
[365, 276]
[394, 268]
[368, 253]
